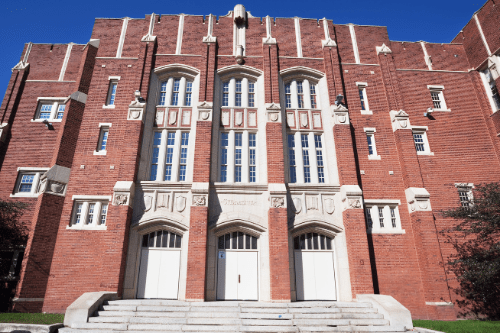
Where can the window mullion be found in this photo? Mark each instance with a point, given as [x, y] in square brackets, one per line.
[307, 94]
[299, 162]
[160, 175]
[244, 159]
[176, 156]
[244, 93]
[293, 90]
[53, 112]
[232, 92]
[36, 180]
[97, 213]
[85, 211]
[182, 92]
[230, 155]
[168, 95]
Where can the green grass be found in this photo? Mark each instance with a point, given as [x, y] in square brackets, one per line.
[460, 326]
[31, 318]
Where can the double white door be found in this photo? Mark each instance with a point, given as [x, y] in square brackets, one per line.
[159, 273]
[237, 276]
[314, 274]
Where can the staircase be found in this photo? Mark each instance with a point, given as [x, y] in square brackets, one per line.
[177, 316]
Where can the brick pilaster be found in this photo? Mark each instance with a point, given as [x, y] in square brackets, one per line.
[197, 254]
[278, 255]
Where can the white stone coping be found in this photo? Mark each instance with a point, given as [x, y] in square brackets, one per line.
[80, 310]
[392, 310]
[32, 328]
[124, 186]
[91, 197]
[382, 201]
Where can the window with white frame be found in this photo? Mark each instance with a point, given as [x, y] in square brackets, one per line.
[301, 94]
[238, 157]
[465, 194]
[28, 180]
[176, 91]
[113, 85]
[372, 148]
[89, 213]
[382, 216]
[420, 140]
[363, 98]
[437, 96]
[238, 92]
[103, 139]
[50, 109]
[306, 158]
[491, 88]
[169, 158]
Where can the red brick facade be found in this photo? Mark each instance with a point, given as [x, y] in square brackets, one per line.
[61, 262]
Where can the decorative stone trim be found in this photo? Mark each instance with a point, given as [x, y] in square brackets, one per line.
[269, 40]
[3, 131]
[200, 194]
[55, 180]
[273, 112]
[23, 64]
[418, 199]
[340, 114]
[351, 197]
[400, 120]
[200, 200]
[149, 36]
[277, 194]
[123, 193]
[209, 38]
[205, 111]
[328, 41]
[77, 96]
[383, 49]
[278, 202]
[136, 108]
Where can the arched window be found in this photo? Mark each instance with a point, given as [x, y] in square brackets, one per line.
[312, 241]
[176, 91]
[237, 241]
[162, 239]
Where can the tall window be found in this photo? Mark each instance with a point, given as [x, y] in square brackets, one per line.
[362, 98]
[319, 158]
[252, 144]
[103, 139]
[370, 139]
[238, 143]
[237, 97]
[419, 141]
[170, 150]
[381, 216]
[300, 95]
[251, 94]
[113, 84]
[305, 158]
[184, 155]
[291, 157]
[224, 143]
[189, 91]
[312, 89]
[176, 92]
[238, 157]
[225, 94]
[238, 93]
[170, 155]
[438, 102]
[288, 95]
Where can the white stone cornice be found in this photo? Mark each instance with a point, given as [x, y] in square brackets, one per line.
[351, 196]
[418, 199]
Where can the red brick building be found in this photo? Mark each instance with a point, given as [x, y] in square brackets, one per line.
[238, 157]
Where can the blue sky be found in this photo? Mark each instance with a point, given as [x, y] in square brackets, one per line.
[58, 21]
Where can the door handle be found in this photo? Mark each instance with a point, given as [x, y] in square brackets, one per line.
[239, 278]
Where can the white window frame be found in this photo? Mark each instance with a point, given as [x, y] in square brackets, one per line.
[306, 94]
[56, 102]
[37, 173]
[423, 131]
[312, 153]
[439, 90]
[244, 94]
[183, 92]
[386, 205]
[487, 87]
[103, 127]
[99, 202]
[370, 133]
[176, 155]
[362, 87]
[112, 80]
[467, 189]
[245, 157]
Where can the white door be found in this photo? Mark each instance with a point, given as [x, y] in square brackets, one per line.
[237, 269]
[160, 266]
[314, 271]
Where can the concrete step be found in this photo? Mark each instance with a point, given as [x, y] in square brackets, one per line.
[265, 310]
[338, 315]
[100, 326]
[340, 322]
[119, 307]
[345, 329]
[149, 302]
[161, 308]
[271, 329]
[259, 315]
